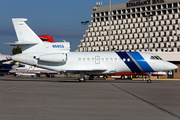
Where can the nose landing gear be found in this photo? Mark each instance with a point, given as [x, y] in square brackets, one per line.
[149, 78]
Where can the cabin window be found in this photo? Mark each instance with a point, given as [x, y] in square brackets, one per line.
[106, 59]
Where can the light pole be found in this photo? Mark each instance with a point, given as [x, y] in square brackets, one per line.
[85, 23]
[148, 16]
[109, 25]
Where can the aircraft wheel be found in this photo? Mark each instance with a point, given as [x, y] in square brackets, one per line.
[47, 76]
[17, 75]
[91, 77]
[38, 75]
[149, 81]
[82, 80]
[52, 76]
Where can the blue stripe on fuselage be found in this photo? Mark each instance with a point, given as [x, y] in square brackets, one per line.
[141, 62]
[130, 63]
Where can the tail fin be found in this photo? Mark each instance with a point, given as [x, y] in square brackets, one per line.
[24, 34]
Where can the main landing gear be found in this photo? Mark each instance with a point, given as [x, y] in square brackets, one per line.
[82, 78]
[91, 77]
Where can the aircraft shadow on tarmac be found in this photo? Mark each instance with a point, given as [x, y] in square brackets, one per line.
[69, 80]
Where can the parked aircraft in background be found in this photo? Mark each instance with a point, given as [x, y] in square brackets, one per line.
[4, 67]
[46, 38]
[28, 70]
[5, 58]
[56, 56]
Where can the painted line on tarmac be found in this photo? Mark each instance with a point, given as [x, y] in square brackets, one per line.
[156, 106]
[17, 87]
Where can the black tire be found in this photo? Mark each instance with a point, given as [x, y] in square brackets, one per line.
[17, 75]
[149, 81]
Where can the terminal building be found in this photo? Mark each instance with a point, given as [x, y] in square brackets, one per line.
[138, 25]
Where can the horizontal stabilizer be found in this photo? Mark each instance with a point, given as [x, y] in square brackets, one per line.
[20, 43]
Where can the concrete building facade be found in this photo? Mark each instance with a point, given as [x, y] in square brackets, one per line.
[129, 27]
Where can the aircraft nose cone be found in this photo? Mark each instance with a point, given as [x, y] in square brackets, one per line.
[170, 66]
[175, 67]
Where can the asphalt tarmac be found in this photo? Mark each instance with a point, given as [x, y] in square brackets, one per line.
[67, 99]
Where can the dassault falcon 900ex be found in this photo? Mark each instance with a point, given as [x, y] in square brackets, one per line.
[57, 56]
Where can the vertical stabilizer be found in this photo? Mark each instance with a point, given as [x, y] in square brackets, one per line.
[24, 33]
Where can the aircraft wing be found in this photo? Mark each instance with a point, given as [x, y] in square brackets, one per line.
[5, 60]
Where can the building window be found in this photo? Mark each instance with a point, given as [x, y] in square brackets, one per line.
[159, 12]
[138, 9]
[175, 10]
[119, 11]
[159, 6]
[153, 7]
[148, 7]
[133, 9]
[170, 11]
[143, 8]
[164, 6]
[174, 4]
[133, 15]
[169, 5]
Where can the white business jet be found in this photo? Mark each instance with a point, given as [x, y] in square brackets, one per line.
[57, 56]
[28, 70]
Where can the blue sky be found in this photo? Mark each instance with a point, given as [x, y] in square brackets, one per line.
[58, 18]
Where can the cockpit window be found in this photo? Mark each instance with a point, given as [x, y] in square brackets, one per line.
[159, 58]
[156, 58]
[152, 57]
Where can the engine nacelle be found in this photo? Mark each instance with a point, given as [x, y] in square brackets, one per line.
[54, 57]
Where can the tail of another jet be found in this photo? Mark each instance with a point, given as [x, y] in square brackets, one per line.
[24, 34]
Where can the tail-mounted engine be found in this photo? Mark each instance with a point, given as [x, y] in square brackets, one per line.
[53, 57]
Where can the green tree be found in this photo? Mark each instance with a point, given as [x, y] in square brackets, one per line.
[16, 50]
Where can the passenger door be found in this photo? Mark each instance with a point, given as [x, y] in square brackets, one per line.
[97, 59]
